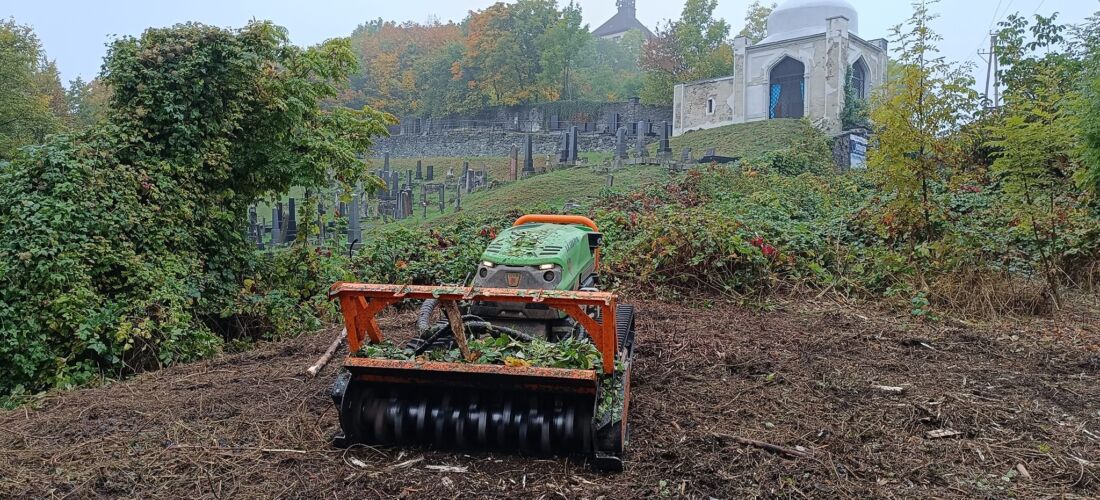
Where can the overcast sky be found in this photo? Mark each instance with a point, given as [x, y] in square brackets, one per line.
[75, 32]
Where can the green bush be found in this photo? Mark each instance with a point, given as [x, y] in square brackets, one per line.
[122, 244]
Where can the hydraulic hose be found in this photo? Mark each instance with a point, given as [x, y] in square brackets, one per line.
[423, 320]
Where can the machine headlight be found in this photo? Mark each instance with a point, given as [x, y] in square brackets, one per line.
[487, 264]
[546, 267]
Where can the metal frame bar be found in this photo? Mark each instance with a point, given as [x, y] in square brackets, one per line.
[360, 304]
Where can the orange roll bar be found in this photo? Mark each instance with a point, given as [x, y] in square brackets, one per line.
[556, 219]
[360, 303]
[562, 219]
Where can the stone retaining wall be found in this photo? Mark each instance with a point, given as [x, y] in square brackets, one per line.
[486, 143]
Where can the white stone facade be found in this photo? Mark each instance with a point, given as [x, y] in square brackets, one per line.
[765, 82]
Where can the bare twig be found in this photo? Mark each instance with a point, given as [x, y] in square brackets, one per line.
[774, 448]
[316, 368]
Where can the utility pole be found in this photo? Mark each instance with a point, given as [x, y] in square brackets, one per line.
[991, 73]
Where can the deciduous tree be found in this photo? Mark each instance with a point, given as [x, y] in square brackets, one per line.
[32, 102]
[693, 47]
[756, 21]
[915, 114]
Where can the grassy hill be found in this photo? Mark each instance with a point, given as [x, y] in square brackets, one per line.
[579, 184]
[749, 139]
[552, 189]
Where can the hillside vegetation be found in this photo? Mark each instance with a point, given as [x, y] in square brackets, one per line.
[751, 139]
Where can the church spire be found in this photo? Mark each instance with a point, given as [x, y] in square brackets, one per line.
[627, 5]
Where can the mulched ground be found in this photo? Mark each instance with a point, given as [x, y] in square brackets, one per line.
[1024, 399]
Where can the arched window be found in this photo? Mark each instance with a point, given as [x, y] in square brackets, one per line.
[787, 95]
[859, 79]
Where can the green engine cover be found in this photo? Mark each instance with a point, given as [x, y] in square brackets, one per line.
[535, 244]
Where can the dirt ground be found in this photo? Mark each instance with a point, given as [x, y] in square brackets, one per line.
[1022, 397]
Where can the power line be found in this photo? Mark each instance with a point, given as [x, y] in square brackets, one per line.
[1036, 11]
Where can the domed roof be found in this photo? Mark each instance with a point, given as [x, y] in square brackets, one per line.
[799, 18]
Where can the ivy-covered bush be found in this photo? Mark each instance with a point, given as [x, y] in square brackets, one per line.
[120, 245]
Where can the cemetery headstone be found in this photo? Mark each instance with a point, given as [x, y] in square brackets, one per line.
[513, 167]
[665, 146]
[574, 137]
[419, 170]
[431, 172]
[620, 143]
[277, 224]
[639, 144]
[529, 155]
[292, 222]
[563, 147]
[355, 230]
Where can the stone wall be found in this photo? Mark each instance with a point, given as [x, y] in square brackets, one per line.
[545, 117]
[702, 105]
[489, 143]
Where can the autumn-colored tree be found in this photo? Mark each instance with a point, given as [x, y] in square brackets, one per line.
[502, 51]
[914, 115]
[388, 54]
[525, 52]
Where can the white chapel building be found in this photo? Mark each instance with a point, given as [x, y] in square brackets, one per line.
[798, 70]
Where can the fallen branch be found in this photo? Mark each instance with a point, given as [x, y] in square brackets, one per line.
[219, 449]
[316, 368]
[774, 448]
[454, 317]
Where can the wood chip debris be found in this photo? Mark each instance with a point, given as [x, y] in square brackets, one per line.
[406, 463]
[1023, 471]
[888, 388]
[941, 433]
[447, 468]
[358, 463]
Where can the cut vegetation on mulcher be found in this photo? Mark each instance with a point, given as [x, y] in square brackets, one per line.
[532, 358]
